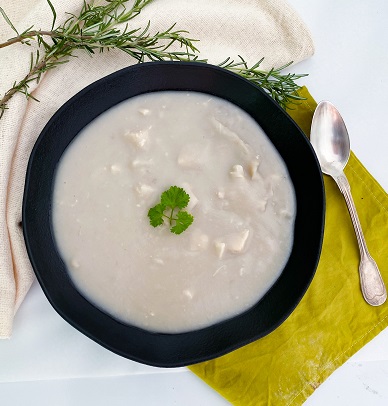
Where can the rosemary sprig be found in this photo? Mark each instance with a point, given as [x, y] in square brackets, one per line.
[104, 27]
[282, 88]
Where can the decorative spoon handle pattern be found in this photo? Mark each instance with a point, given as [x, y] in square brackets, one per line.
[372, 285]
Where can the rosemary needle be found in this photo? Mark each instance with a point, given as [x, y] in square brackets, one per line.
[98, 28]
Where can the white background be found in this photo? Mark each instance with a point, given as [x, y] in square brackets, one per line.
[49, 363]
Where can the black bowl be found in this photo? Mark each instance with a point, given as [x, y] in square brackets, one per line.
[172, 350]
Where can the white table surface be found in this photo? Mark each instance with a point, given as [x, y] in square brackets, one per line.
[47, 362]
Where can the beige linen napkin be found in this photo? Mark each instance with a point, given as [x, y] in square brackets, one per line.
[251, 28]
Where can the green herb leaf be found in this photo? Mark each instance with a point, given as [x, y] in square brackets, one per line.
[182, 222]
[155, 215]
[54, 14]
[175, 197]
[172, 201]
[8, 21]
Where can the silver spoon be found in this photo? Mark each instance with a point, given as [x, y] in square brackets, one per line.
[330, 141]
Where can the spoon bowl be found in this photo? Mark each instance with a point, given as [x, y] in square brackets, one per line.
[330, 140]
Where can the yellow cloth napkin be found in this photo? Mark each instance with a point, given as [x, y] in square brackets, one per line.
[332, 321]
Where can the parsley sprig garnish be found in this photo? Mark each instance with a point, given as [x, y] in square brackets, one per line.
[172, 201]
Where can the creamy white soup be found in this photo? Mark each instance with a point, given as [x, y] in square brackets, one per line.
[241, 198]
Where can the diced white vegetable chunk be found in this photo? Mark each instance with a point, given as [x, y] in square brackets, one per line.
[224, 130]
[75, 263]
[144, 190]
[235, 243]
[252, 168]
[220, 248]
[237, 171]
[221, 193]
[138, 138]
[115, 169]
[188, 293]
[145, 112]
[193, 199]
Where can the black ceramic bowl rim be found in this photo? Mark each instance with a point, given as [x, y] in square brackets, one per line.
[160, 349]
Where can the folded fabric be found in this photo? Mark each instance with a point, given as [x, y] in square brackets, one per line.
[251, 28]
[332, 321]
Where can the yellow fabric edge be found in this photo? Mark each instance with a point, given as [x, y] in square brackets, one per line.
[302, 116]
[309, 388]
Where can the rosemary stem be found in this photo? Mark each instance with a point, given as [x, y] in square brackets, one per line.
[15, 89]
[26, 35]
[32, 34]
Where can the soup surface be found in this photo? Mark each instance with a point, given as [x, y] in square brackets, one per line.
[241, 198]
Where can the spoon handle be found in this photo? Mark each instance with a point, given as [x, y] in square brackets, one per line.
[372, 285]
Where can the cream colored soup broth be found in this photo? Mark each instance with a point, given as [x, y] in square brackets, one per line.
[241, 198]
